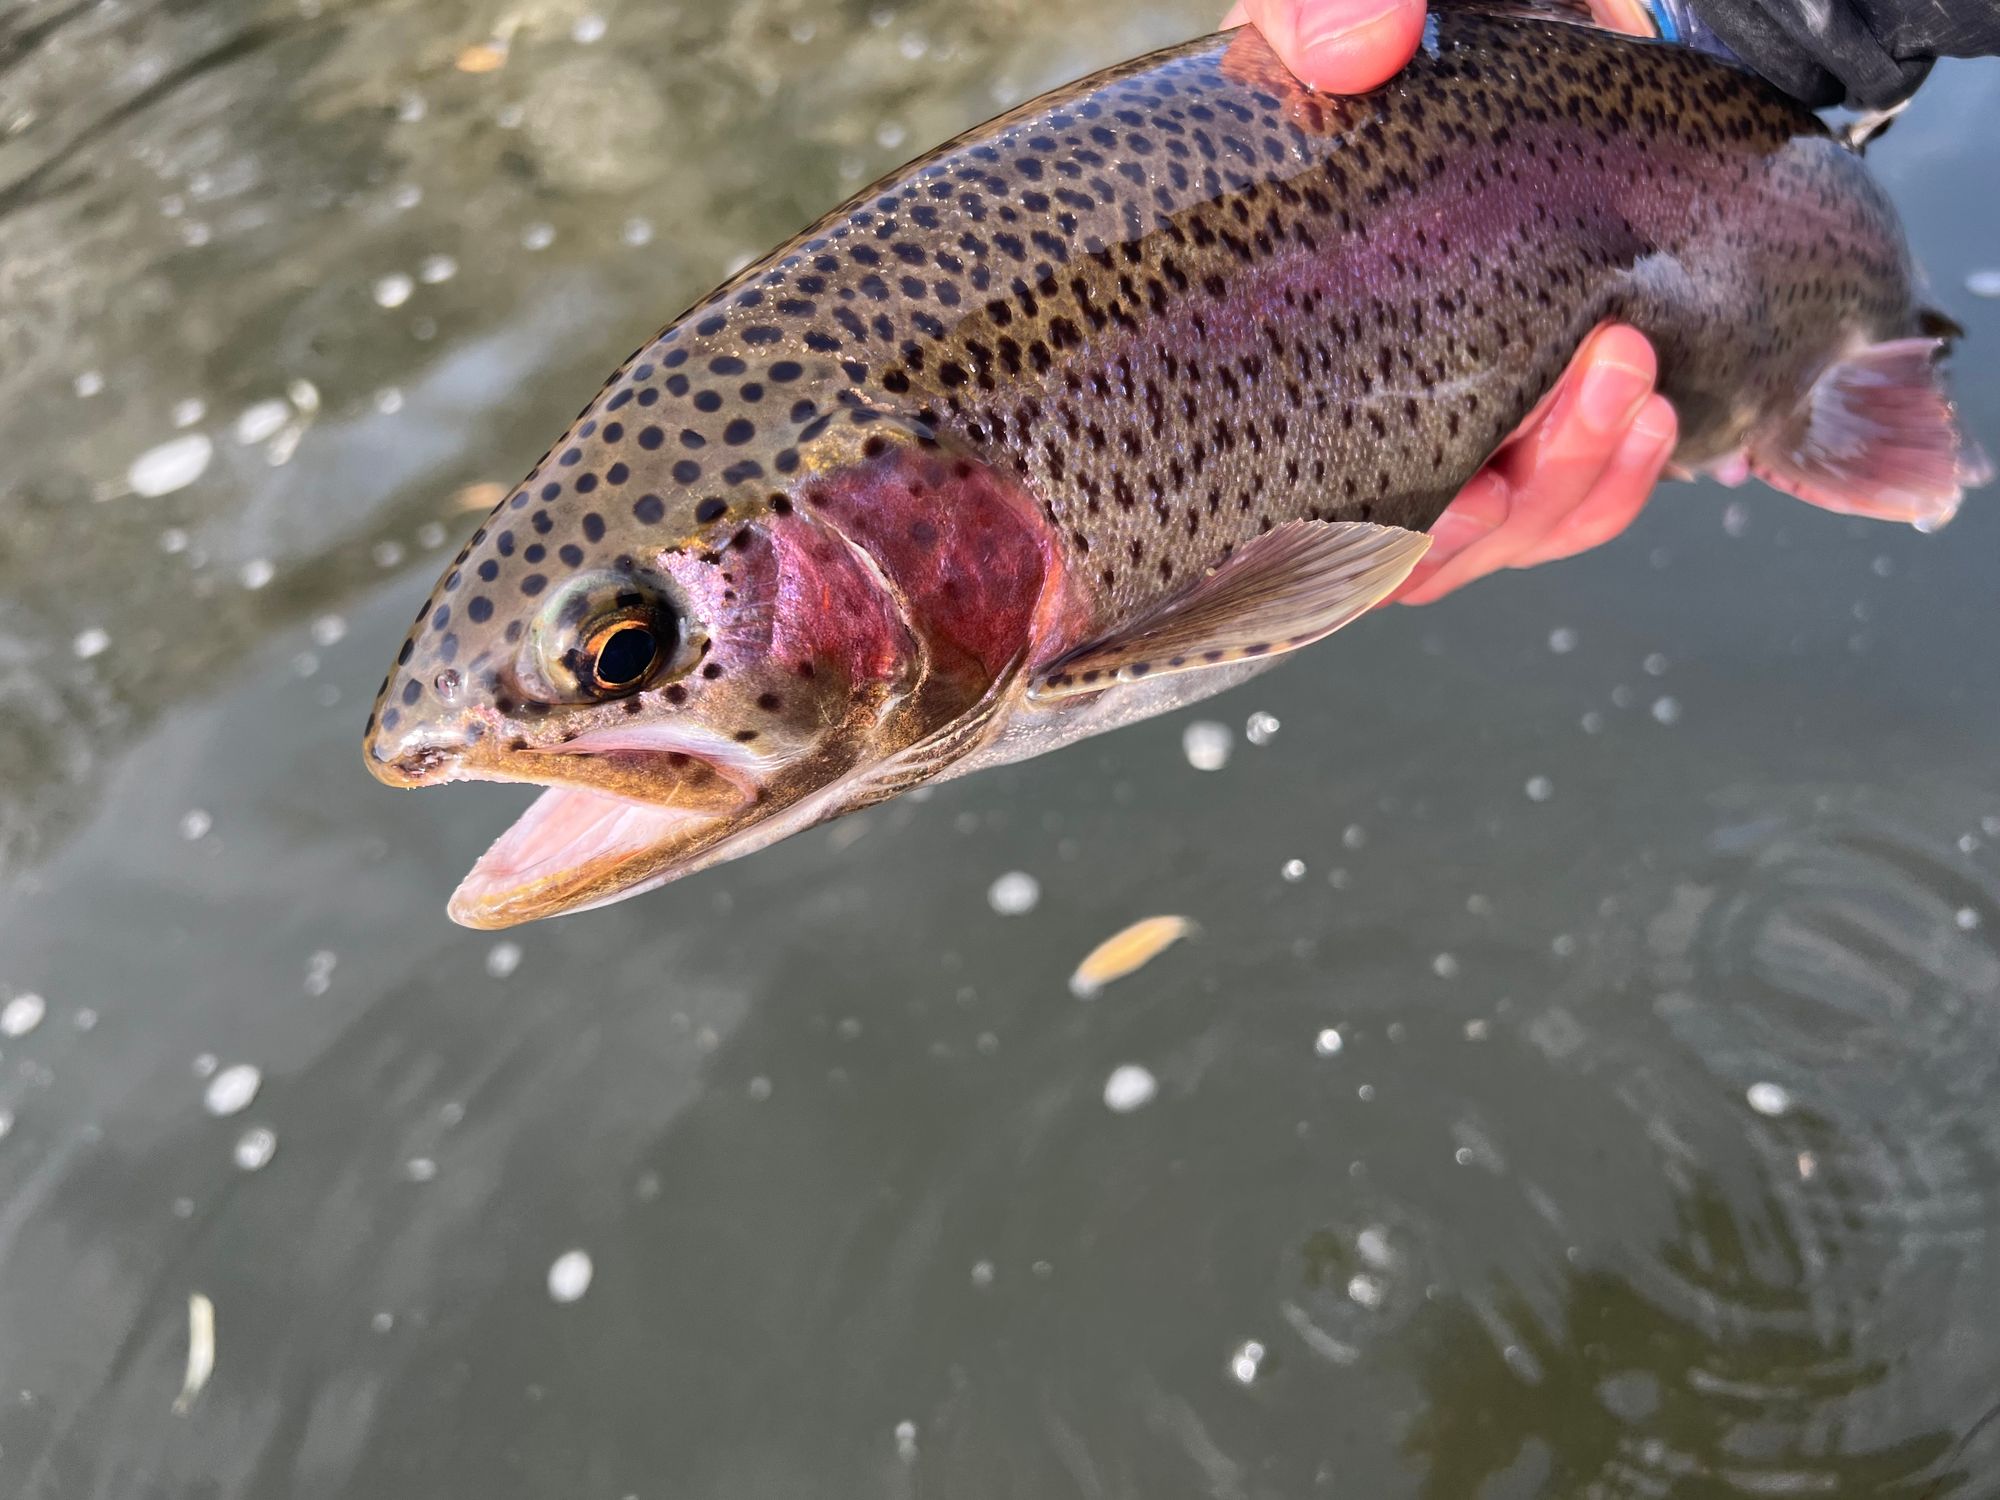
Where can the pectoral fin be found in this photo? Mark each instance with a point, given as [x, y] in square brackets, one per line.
[1291, 586]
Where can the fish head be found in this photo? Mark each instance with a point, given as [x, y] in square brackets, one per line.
[695, 669]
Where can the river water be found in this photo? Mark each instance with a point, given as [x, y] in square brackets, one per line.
[1583, 1079]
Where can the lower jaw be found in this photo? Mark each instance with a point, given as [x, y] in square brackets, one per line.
[571, 850]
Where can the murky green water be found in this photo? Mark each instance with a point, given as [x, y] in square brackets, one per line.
[1606, 1103]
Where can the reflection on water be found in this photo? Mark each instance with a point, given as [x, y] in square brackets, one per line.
[1579, 1079]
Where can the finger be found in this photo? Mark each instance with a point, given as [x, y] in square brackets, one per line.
[1467, 525]
[1341, 46]
[1620, 493]
[1551, 468]
[1556, 462]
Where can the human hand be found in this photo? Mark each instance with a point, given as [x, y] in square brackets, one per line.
[1578, 470]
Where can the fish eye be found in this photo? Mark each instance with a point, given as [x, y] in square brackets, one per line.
[606, 636]
[619, 655]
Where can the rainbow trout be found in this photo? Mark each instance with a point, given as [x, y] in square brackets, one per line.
[1110, 403]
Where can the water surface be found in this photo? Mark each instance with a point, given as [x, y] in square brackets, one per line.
[1585, 1079]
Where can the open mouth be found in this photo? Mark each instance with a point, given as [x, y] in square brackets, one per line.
[622, 812]
[573, 849]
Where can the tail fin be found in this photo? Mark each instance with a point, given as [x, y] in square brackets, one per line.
[1876, 436]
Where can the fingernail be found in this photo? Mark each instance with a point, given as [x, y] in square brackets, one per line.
[1655, 423]
[1456, 530]
[1324, 24]
[1611, 395]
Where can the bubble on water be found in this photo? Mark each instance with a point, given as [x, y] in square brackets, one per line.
[637, 232]
[85, 1019]
[1247, 1359]
[431, 535]
[410, 108]
[1128, 1088]
[170, 466]
[188, 411]
[889, 135]
[1540, 788]
[1261, 728]
[258, 572]
[88, 383]
[1014, 894]
[393, 290]
[420, 1169]
[982, 1273]
[569, 1275]
[195, 823]
[329, 630]
[1562, 640]
[1736, 518]
[1445, 966]
[255, 1148]
[406, 195]
[1967, 919]
[906, 1441]
[22, 1014]
[388, 401]
[1372, 1245]
[319, 971]
[1328, 1042]
[1293, 870]
[261, 420]
[503, 959]
[538, 236]
[1655, 665]
[436, 268]
[1353, 836]
[1768, 1099]
[94, 641]
[1365, 1290]
[1667, 710]
[1206, 744]
[205, 1064]
[183, 1208]
[1592, 722]
[230, 1091]
[1984, 282]
[587, 28]
[759, 1088]
[382, 1322]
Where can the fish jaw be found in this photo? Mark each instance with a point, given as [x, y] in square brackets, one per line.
[571, 850]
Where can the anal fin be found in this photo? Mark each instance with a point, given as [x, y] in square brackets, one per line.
[1294, 585]
[1876, 436]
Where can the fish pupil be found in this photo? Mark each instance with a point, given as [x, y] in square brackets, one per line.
[626, 655]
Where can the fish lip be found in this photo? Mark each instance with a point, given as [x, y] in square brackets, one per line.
[602, 844]
[587, 839]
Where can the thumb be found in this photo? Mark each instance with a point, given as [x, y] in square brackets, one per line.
[1339, 46]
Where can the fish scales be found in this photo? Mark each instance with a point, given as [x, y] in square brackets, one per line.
[1187, 301]
[1178, 306]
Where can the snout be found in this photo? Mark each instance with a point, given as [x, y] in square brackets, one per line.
[418, 755]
